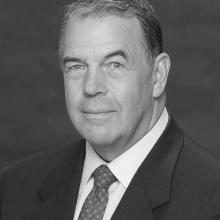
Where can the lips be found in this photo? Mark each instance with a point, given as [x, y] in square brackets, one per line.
[97, 111]
[98, 115]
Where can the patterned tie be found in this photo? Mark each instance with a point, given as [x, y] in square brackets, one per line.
[95, 204]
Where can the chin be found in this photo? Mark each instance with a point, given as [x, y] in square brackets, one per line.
[99, 137]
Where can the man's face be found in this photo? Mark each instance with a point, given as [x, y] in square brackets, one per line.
[108, 80]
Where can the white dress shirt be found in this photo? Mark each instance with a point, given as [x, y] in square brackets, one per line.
[120, 167]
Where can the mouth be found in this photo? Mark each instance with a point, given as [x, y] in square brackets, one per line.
[97, 111]
[98, 115]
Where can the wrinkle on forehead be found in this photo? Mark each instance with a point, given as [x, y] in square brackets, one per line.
[99, 51]
[110, 47]
[95, 37]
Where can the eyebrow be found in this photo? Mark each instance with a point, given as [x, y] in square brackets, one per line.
[72, 59]
[117, 53]
[112, 54]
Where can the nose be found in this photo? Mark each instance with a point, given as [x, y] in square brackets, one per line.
[95, 83]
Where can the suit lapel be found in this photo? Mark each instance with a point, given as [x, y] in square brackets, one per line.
[150, 187]
[135, 203]
[57, 196]
[157, 170]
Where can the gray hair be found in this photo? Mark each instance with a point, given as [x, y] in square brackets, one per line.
[141, 9]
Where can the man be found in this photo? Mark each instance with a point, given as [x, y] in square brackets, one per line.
[134, 161]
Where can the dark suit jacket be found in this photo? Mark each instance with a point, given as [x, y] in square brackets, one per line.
[177, 181]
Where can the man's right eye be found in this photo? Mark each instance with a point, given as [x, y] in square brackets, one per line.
[75, 68]
[78, 67]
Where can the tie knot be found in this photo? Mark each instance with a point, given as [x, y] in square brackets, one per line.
[103, 177]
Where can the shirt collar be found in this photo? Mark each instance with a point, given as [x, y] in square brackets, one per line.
[120, 167]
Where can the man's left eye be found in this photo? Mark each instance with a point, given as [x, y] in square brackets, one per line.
[116, 65]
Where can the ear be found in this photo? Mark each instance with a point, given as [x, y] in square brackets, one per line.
[161, 71]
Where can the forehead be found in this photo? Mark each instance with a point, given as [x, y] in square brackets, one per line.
[98, 33]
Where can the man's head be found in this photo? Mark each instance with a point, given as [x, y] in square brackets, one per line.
[114, 80]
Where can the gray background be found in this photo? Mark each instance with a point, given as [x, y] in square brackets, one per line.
[32, 108]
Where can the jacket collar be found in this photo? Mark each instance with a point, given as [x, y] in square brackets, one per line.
[157, 170]
[150, 187]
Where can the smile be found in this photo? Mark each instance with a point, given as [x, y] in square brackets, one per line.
[98, 116]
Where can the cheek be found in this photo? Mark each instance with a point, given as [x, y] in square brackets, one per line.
[72, 93]
[135, 97]
[135, 90]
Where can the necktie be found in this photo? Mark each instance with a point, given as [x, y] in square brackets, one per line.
[95, 204]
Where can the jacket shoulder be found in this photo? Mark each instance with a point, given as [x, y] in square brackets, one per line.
[198, 158]
[42, 159]
[24, 178]
[196, 181]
